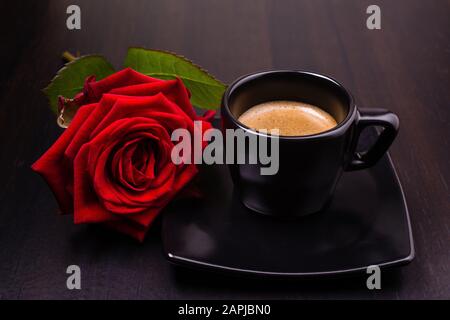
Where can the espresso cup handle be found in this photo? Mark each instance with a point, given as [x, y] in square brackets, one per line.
[374, 117]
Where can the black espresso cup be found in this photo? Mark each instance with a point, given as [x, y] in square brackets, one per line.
[311, 165]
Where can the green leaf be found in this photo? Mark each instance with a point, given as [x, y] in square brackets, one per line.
[206, 91]
[70, 79]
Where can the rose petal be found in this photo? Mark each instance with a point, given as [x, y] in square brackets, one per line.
[156, 107]
[174, 90]
[125, 77]
[185, 176]
[114, 197]
[84, 131]
[55, 168]
[87, 208]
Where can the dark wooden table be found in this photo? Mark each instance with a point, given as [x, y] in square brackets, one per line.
[404, 67]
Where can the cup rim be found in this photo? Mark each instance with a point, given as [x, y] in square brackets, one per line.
[337, 130]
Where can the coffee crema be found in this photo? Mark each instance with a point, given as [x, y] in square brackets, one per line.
[291, 118]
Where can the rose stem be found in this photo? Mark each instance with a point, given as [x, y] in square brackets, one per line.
[68, 56]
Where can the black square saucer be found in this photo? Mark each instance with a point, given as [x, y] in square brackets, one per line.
[367, 223]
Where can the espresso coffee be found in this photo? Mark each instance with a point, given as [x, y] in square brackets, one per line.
[291, 118]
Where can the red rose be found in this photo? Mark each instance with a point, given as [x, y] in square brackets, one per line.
[113, 164]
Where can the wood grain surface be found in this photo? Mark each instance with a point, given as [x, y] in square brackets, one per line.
[403, 67]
